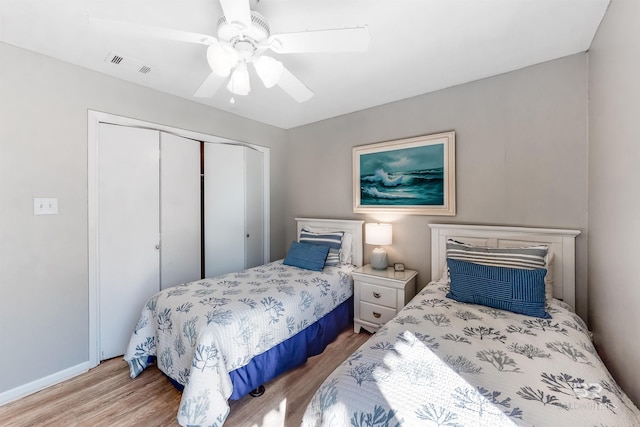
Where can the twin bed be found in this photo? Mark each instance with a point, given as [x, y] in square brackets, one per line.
[438, 362]
[221, 338]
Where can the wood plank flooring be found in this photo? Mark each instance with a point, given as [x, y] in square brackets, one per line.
[107, 396]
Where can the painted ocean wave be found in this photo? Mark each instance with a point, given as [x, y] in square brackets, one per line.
[421, 187]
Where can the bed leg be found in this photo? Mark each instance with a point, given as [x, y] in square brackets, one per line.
[257, 392]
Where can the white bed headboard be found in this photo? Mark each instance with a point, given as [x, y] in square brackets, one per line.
[352, 226]
[561, 243]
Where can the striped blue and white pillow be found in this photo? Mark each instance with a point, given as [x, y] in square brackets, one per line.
[333, 239]
[529, 257]
[514, 289]
[333, 259]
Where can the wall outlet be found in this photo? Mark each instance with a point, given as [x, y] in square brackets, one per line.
[45, 206]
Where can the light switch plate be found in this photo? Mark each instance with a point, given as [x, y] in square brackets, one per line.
[45, 205]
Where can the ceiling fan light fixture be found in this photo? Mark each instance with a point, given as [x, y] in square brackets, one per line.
[221, 59]
[269, 70]
[239, 81]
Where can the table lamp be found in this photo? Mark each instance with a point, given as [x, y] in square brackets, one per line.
[378, 234]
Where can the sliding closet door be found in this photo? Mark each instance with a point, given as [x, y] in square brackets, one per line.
[254, 207]
[224, 197]
[128, 230]
[180, 254]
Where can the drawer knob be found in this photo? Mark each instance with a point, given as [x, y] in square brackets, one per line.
[376, 315]
[376, 294]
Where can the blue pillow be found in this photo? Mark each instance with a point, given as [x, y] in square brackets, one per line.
[307, 256]
[513, 289]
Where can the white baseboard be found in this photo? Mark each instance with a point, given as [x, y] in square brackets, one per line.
[42, 383]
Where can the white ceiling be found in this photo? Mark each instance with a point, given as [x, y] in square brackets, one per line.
[416, 46]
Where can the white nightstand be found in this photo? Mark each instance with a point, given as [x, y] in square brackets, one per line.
[378, 295]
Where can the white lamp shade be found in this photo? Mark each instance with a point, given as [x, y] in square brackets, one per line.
[239, 81]
[269, 70]
[378, 234]
[221, 59]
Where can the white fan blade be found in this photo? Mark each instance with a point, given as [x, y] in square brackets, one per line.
[294, 87]
[237, 11]
[210, 86]
[338, 40]
[153, 32]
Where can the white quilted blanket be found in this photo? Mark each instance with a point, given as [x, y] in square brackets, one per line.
[202, 330]
[444, 363]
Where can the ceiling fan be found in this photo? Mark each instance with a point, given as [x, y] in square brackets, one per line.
[244, 38]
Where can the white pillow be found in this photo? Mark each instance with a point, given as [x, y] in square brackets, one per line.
[345, 252]
[444, 279]
[548, 279]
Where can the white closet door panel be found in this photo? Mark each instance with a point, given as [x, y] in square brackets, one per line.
[224, 208]
[128, 171]
[180, 259]
[254, 208]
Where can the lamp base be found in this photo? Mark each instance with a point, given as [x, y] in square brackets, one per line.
[379, 259]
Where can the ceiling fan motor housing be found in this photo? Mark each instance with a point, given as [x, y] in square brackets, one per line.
[258, 31]
[244, 49]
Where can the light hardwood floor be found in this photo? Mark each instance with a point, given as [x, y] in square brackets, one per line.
[106, 396]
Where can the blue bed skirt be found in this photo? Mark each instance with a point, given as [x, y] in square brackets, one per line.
[291, 353]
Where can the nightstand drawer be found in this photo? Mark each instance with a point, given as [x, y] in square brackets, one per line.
[378, 295]
[376, 314]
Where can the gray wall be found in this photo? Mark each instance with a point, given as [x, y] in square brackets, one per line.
[43, 153]
[614, 192]
[521, 158]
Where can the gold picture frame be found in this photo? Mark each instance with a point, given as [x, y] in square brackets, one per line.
[411, 176]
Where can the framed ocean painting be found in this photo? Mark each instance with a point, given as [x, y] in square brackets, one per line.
[411, 176]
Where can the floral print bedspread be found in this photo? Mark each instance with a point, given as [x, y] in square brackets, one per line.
[201, 331]
[444, 363]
